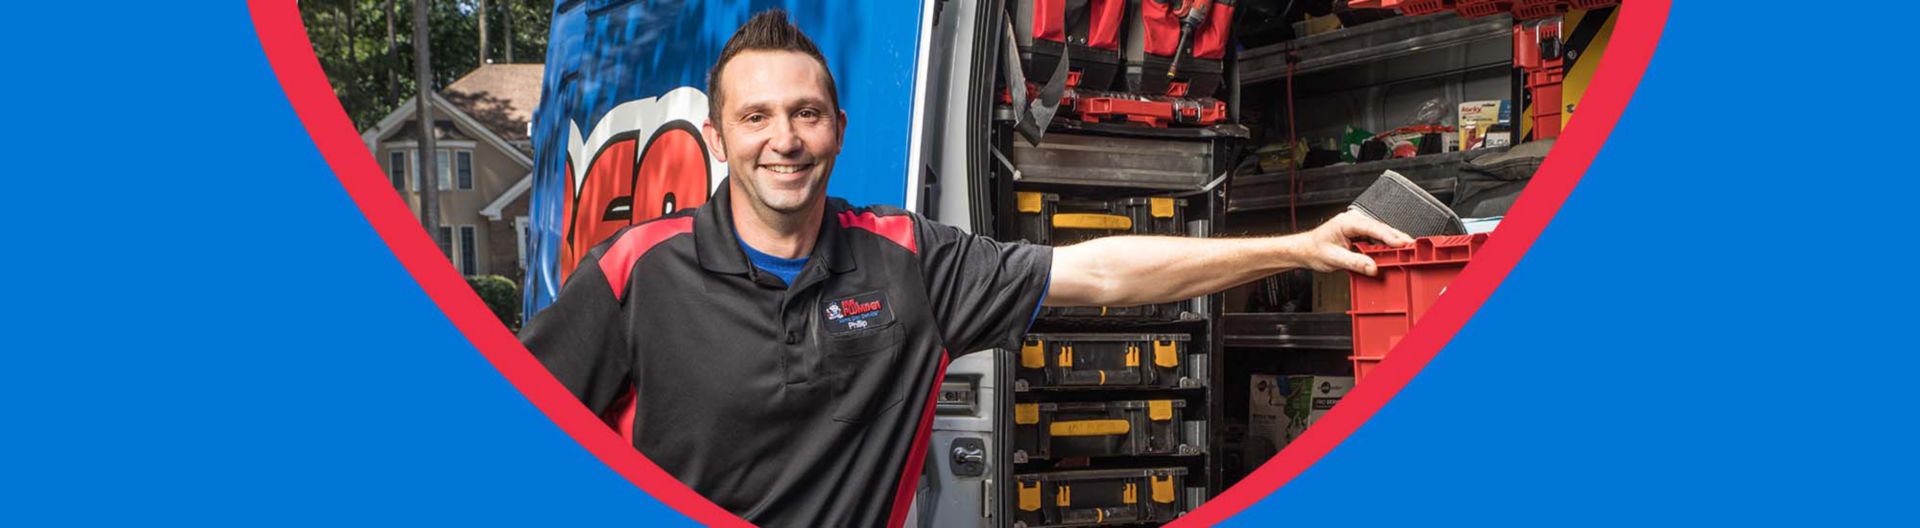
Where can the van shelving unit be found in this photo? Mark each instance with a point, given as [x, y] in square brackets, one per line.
[1340, 184]
[1367, 71]
[1386, 39]
[1077, 159]
[1288, 331]
[1376, 70]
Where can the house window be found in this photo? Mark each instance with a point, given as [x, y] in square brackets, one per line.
[454, 168]
[397, 168]
[444, 168]
[469, 251]
[523, 233]
[464, 169]
[446, 242]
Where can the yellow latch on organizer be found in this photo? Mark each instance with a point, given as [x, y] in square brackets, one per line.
[1165, 354]
[1033, 354]
[1160, 207]
[1063, 496]
[1026, 413]
[1066, 355]
[1133, 355]
[1092, 221]
[1090, 428]
[1026, 202]
[1030, 497]
[1160, 410]
[1130, 494]
[1162, 489]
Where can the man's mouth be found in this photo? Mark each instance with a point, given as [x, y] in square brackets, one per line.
[788, 169]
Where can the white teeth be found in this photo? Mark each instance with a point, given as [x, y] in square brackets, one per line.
[784, 169]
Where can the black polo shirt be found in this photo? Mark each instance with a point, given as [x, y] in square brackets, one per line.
[807, 404]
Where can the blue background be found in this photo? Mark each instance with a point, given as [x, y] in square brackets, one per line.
[202, 327]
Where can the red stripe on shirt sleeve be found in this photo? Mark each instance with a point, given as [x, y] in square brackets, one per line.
[617, 263]
[916, 456]
[898, 228]
[619, 417]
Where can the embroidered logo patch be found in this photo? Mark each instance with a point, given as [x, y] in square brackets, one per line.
[856, 313]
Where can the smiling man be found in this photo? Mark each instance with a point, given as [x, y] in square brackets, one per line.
[776, 349]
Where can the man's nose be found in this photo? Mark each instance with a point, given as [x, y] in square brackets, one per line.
[784, 140]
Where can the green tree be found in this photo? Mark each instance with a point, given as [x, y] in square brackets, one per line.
[371, 72]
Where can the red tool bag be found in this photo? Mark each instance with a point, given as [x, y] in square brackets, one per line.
[1040, 28]
[1093, 41]
[1153, 40]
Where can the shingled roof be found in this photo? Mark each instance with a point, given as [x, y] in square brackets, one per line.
[499, 96]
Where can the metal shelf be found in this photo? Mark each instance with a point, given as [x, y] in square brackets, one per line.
[1339, 184]
[1294, 331]
[1386, 39]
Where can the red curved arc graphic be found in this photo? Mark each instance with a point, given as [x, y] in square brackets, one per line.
[284, 39]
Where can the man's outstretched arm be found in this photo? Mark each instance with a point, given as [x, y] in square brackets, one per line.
[1134, 270]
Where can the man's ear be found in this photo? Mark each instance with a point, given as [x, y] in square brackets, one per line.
[841, 134]
[715, 145]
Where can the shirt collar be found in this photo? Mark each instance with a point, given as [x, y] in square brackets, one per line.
[718, 246]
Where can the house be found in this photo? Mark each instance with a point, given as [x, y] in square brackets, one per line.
[484, 160]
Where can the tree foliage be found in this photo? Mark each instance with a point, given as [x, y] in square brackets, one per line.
[350, 39]
[502, 296]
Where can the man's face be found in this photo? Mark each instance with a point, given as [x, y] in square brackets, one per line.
[778, 130]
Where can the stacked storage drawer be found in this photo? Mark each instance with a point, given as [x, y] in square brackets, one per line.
[1096, 497]
[1111, 407]
[1046, 219]
[1108, 361]
[1104, 429]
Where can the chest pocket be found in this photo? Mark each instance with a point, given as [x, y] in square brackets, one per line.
[864, 370]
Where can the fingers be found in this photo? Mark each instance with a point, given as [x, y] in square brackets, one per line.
[1354, 262]
[1363, 226]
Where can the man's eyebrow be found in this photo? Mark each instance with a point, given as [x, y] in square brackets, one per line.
[750, 107]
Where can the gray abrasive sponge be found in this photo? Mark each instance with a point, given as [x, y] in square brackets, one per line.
[1396, 201]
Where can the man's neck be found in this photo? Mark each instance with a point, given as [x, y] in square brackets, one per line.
[779, 234]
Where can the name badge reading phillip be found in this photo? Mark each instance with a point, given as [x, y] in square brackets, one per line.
[860, 312]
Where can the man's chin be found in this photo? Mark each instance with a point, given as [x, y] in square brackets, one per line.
[789, 202]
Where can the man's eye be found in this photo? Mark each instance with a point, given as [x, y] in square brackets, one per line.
[809, 114]
[755, 118]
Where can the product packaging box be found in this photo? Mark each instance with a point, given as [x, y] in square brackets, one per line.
[1476, 117]
[1332, 292]
[1282, 407]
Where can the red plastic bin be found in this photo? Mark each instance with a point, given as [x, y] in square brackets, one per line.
[1480, 8]
[1424, 7]
[1532, 9]
[1411, 278]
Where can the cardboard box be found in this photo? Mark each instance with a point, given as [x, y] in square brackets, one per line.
[1266, 425]
[1475, 117]
[1332, 292]
[1315, 26]
[1282, 407]
[1309, 398]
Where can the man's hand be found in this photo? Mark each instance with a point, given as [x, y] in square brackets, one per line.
[1328, 247]
[1133, 270]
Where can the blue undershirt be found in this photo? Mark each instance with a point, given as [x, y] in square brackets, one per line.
[786, 269]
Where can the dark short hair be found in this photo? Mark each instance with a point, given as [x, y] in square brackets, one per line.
[767, 31]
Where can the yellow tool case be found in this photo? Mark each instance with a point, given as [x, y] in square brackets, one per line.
[1108, 361]
[1104, 429]
[1102, 497]
[1048, 219]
